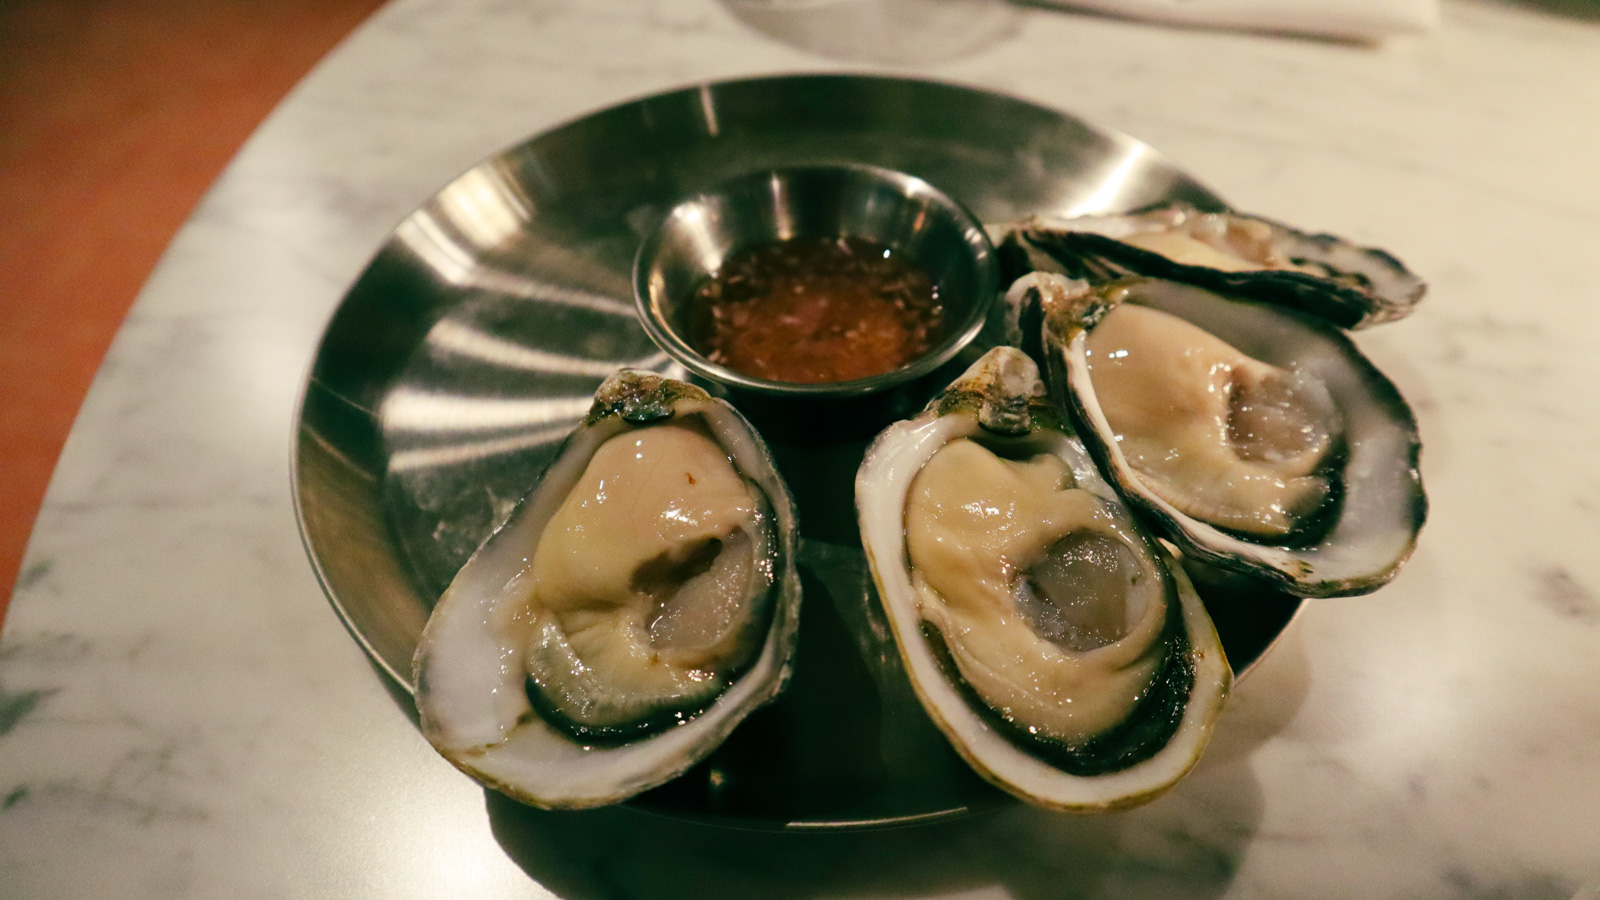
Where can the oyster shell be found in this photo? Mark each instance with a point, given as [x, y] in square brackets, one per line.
[1062, 652]
[1257, 438]
[1351, 286]
[635, 607]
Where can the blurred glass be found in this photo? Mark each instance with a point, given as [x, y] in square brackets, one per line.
[900, 32]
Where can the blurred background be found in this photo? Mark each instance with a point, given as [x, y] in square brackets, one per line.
[115, 117]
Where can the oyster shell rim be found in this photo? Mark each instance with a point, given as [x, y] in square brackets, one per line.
[1100, 256]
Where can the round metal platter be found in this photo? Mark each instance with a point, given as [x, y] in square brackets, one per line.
[473, 341]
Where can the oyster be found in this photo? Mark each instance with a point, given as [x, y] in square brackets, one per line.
[635, 607]
[1062, 652]
[1327, 276]
[1257, 438]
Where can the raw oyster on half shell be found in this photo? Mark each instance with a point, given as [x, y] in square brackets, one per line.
[1062, 652]
[1248, 256]
[636, 606]
[1256, 437]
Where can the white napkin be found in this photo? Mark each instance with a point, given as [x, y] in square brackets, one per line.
[1350, 19]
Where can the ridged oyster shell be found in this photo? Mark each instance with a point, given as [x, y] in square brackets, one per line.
[1249, 256]
[1356, 539]
[521, 668]
[1067, 698]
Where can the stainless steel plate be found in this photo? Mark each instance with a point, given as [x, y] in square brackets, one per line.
[472, 342]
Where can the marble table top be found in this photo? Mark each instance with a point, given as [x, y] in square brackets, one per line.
[182, 714]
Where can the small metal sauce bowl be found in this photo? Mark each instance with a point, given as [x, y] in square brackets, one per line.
[900, 211]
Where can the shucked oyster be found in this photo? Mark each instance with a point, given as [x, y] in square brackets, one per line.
[1062, 652]
[1226, 438]
[1259, 439]
[638, 604]
[1247, 256]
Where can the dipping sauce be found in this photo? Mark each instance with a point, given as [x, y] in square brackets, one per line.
[814, 310]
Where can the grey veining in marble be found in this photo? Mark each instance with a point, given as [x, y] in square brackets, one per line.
[181, 714]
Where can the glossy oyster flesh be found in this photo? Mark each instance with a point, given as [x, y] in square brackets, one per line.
[1257, 438]
[1324, 275]
[635, 607]
[1062, 652]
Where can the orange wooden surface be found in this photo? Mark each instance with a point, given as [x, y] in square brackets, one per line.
[115, 116]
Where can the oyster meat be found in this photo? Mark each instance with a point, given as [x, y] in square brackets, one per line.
[1257, 438]
[636, 606]
[1062, 652]
[1226, 438]
[1322, 274]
